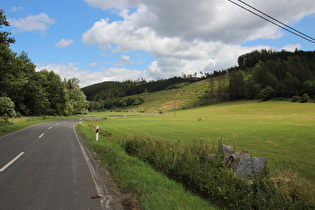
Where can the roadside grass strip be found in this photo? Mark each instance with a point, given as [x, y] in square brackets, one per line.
[148, 189]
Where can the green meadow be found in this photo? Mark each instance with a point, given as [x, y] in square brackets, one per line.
[281, 131]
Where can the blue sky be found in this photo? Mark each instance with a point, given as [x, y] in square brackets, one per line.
[105, 40]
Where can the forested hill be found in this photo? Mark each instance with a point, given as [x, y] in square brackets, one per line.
[260, 75]
[108, 90]
[282, 74]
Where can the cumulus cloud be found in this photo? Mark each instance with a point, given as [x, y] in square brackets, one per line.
[188, 36]
[63, 43]
[214, 20]
[38, 22]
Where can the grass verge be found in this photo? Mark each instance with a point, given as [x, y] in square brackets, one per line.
[8, 125]
[149, 188]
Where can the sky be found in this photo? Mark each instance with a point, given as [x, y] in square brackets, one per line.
[117, 40]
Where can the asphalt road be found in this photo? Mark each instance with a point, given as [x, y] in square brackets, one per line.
[47, 166]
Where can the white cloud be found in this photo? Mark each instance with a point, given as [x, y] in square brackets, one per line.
[97, 63]
[72, 70]
[38, 22]
[86, 77]
[174, 55]
[93, 64]
[124, 60]
[214, 20]
[16, 9]
[189, 36]
[63, 43]
[121, 74]
[291, 47]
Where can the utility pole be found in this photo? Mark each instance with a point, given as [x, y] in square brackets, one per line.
[175, 103]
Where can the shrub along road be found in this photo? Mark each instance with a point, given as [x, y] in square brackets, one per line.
[46, 166]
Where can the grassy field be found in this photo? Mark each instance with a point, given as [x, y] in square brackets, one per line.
[281, 131]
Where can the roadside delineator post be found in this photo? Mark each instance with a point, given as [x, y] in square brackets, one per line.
[97, 129]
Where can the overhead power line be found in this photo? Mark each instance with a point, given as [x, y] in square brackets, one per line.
[277, 20]
[272, 20]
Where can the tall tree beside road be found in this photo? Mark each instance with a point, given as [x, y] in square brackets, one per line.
[4, 36]
[77, 99]
[35, 93]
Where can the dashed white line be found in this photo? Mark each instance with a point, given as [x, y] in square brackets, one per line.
[41, 135]
[12, 161]
[49, 128]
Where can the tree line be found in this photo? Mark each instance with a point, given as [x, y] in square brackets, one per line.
[268, 74]
[115, 103]
[23, 91]
[109, 90]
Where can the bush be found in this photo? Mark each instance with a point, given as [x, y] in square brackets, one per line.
[7, 107]
[295, 99]
[305, 98]
[267, 93]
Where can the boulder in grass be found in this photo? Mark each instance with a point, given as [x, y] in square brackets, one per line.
[227, 150]
[247, 167]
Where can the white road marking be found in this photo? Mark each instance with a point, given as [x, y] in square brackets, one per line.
[57, 123]
[49, 128]
[41, 135]
[12, 161]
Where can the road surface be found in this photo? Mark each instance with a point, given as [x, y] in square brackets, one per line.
[47, 166]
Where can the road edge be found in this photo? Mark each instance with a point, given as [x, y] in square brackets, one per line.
[109, 199]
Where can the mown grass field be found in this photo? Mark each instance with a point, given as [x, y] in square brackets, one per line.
[279, 130]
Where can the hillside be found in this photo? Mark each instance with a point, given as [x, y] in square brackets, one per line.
[193, 95]
[260, 75]
[112, 89]
[183, 95]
